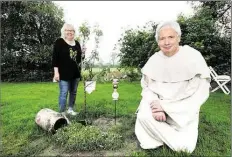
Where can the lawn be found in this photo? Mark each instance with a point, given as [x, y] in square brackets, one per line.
[20, 102]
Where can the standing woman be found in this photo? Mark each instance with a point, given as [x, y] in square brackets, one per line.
[67, 55]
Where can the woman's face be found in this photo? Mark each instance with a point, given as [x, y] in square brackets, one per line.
[69, 33]
[168, 41]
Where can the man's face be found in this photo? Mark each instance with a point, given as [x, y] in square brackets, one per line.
[168, 40]
[69, 33]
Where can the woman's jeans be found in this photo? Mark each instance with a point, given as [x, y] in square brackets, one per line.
[66, 86]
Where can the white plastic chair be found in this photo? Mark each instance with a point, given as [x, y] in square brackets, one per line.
[221, 80]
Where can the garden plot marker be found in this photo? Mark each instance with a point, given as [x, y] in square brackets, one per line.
[115, 96]
[89, 87]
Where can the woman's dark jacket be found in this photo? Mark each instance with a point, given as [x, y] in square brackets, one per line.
[67, 58]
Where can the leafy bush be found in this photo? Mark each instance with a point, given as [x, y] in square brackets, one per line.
[132, 74]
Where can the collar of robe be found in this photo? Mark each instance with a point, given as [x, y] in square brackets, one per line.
[184, 65]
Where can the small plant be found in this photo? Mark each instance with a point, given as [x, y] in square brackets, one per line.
[85, 138]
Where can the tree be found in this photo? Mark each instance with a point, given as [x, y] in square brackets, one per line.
[136, 46]
[114, 55]
[84, 33]
[28, 32]
[94, 55]
[221, 11]
[202, 32]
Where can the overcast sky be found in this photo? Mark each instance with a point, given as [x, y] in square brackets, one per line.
[114, 16]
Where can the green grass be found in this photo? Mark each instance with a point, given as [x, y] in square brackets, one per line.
[20, 102]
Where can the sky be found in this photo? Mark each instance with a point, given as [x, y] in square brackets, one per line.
[113, 17]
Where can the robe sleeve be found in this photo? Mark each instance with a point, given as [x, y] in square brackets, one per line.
[185, 110]
[147, 93]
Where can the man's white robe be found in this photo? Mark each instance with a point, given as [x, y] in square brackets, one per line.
[181, 84]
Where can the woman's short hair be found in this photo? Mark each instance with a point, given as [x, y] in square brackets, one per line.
[65, 27]
[172, 24]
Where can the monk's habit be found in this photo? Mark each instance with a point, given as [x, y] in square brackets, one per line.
[181, 84]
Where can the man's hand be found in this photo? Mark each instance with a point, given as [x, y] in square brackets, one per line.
[159, 116]
[155, 106]
[157, 111]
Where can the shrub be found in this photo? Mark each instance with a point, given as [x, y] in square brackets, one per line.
[85, 138]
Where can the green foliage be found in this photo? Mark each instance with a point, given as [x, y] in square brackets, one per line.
[78, 137]
[221, 10]
[100, 77]
[31, 149]
[208, 31]
[136, 46]
[203, 33]
[139, 154]
[84, 33]
[132, 74]
[28, 31]
[94, 56]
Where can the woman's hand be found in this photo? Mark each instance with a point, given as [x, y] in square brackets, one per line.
[56, 76]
